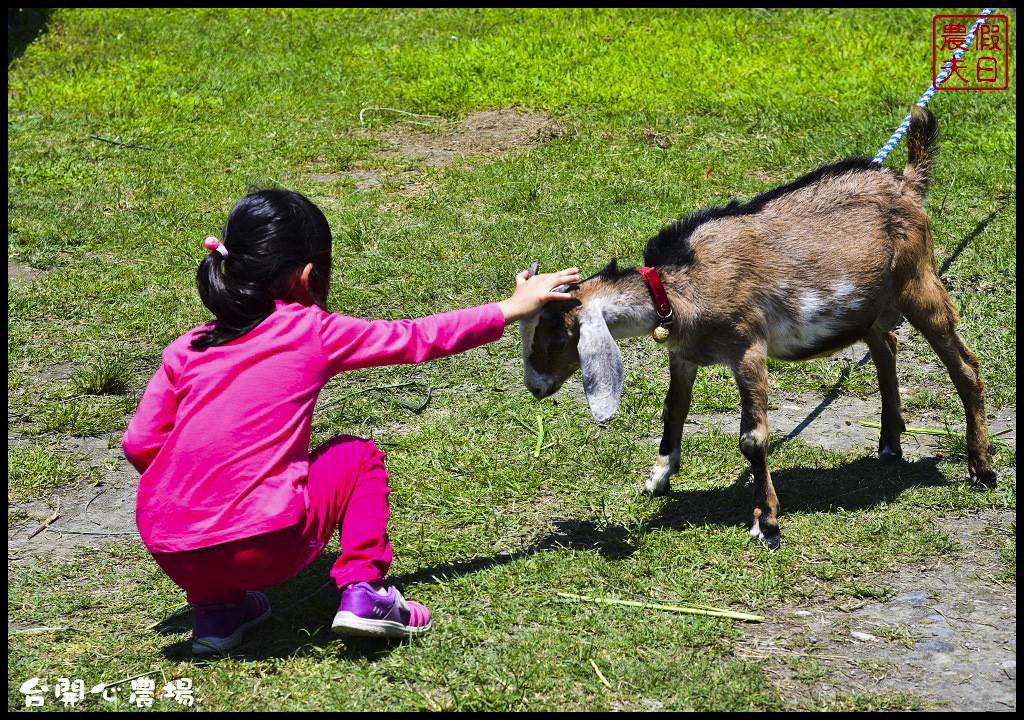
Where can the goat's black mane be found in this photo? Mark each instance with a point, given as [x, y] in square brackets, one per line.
[612, 272]
[672, 246]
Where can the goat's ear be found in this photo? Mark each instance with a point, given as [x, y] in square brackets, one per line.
[601, 361]
[533, 269]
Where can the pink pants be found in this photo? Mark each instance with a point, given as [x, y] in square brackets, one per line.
[347, 489]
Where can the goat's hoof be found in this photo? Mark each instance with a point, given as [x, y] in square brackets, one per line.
[985, 478]
[888, 455]
[767, 535]
[654, 488]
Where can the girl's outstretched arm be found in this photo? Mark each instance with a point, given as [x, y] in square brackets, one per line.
[351, 343]
[532, 293]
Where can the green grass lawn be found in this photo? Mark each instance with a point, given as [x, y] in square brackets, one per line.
[131, 133]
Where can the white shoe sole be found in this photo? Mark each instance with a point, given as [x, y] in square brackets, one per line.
[346, 623]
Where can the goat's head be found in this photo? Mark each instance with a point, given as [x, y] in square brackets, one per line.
[571, 334]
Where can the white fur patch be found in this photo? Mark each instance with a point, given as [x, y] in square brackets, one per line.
[811, 305]
[759, 434]
[818, 318]
[538, 384]
[843, 289]
[625, 319]
[755, 531]
[666, 466]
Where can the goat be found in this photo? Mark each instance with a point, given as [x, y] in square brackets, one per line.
[798, 272]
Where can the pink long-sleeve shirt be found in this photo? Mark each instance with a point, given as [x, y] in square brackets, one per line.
[221, 436]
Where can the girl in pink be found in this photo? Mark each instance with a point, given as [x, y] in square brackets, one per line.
[230, 498]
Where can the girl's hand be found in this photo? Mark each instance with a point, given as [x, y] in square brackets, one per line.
[532, 293]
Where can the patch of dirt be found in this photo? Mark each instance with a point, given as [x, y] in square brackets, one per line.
[21, 274]
[89, 514]
[480, 134]
[947, 636]
[486, 133]
[362, 180]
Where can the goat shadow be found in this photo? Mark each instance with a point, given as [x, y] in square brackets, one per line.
[304, 604]
[860, 484]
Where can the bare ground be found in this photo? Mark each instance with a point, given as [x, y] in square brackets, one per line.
[481, 134]
[947, 637]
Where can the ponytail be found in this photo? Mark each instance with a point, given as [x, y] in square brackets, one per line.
[237, 307]
[269, 236]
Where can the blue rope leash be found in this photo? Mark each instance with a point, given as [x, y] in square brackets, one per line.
[939, 79]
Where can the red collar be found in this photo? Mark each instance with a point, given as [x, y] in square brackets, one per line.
[653, 280]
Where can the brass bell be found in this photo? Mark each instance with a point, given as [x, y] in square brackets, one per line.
[660, 334]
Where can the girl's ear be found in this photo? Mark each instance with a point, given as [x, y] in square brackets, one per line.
[304, 277]
[300, 286]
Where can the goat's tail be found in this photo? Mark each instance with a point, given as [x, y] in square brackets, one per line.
[922, 147]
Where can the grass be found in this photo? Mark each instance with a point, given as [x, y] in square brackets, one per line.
[121, 160]
[106, 376]
[32, 472]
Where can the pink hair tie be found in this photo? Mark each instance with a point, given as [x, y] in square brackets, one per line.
[214, 245]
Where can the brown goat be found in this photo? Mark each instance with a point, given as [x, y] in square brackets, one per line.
[799, 272]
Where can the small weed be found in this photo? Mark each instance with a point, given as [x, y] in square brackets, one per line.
[921, 398]
[878, 668]
[808, 670]
[849, 377]
[872, 702]
[862, 591]
[107, 376]
[33, 471]
[953, 446]
[900, 635]
[1008, 554]
[81, 417]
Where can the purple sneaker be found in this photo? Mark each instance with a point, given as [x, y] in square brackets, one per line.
[216, 628]
[367, 613]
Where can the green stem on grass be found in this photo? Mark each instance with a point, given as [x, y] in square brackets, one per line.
[540, 436]
[704, 610]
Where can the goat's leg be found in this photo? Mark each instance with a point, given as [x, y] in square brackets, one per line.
[883, 352]
[677, 406]
[751, 375]
[928, 308]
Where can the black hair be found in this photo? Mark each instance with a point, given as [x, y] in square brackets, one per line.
[270, 236]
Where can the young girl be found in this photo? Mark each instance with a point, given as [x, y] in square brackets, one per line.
[230, 498]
